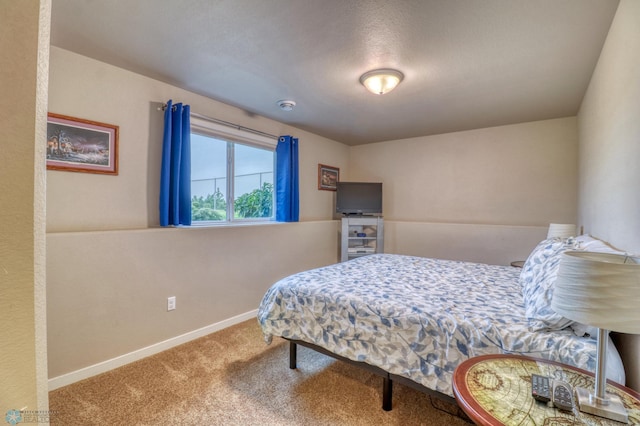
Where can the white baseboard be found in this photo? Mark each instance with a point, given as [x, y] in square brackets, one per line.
[102, 367]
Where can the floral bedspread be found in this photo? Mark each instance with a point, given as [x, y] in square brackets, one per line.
[414, 317]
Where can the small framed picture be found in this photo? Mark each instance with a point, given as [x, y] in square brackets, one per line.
[328, 177]
[78, 145]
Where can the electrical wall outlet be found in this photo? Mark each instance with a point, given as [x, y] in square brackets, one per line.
[171, 303]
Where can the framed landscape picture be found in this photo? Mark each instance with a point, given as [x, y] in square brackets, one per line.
[78, 145]
[328, 177]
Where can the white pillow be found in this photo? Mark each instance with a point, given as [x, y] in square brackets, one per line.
[588, 243]
[538, 277]
[582, 330]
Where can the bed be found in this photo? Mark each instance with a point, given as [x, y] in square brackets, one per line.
[414, 319]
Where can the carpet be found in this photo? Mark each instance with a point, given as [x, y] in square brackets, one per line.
[232, 377]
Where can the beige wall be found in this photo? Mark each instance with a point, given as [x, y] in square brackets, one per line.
[110, 268]
[485, 195]
[523, 174]
[85, 88]
[112, 298]
[493, 244]
[609, 125]
[24, 43]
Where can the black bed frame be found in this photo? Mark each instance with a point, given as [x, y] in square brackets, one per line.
[388, 378]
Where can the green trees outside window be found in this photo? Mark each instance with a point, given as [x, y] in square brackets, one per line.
[255, 204]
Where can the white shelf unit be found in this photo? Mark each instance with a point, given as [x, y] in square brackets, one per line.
[361, 236]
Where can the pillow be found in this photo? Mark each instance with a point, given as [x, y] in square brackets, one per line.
[588, 243]
[533, 266]
[583, 330]
[537, 279]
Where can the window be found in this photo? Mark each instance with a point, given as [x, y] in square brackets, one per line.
[232, 174]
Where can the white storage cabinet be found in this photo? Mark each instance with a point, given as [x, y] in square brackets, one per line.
[361, 236]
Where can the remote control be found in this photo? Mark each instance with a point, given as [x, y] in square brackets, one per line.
[540, 388]
[562, 396]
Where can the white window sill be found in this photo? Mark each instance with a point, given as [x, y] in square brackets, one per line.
[205, 224]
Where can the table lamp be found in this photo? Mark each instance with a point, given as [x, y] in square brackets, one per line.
[601, 290]
[563, 230]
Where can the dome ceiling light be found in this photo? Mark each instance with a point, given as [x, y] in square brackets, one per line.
[381, 81]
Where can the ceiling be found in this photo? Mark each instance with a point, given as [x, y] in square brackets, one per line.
[468, 64]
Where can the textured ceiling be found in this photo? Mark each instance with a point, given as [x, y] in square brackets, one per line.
[467, 63]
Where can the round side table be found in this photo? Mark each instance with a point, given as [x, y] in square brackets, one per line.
[496, 390]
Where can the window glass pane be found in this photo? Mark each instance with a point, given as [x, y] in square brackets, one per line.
[208, 178]
[253, 182]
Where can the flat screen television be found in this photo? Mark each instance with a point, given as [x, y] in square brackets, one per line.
[359, 198]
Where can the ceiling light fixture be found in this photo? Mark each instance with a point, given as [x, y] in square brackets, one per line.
[381, 81]
[286, 105]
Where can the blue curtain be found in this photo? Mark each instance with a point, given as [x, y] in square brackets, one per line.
[287, 191]
[175, 176]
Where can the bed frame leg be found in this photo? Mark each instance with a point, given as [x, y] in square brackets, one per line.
[387, 391]
[293, 355]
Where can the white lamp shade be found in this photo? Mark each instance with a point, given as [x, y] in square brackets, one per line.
[599, 289]
[563, 230]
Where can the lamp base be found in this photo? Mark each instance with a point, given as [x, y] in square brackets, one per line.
[614, 410]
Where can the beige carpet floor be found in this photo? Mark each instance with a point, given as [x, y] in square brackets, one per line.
[232, 377]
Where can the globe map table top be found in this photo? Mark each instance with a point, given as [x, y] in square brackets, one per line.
[496, 390]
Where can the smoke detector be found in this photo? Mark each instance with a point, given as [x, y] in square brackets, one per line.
[286, 105]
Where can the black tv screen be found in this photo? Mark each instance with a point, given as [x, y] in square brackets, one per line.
[363, 198]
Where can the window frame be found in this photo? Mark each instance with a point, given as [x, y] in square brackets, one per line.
[233, 135]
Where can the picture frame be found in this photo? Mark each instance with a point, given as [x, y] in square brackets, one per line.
[79, 145]
[328, 177]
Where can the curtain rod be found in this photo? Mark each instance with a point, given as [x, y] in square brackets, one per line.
[226, 123]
